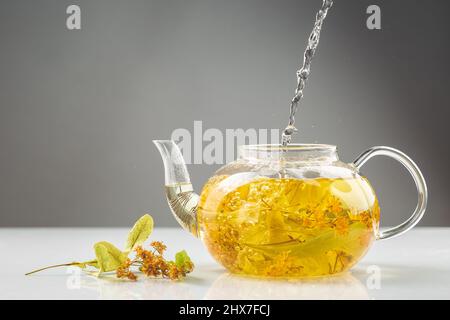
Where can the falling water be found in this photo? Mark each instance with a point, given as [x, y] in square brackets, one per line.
[304, 71]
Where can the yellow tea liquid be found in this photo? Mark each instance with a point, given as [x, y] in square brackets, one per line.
[288, 227]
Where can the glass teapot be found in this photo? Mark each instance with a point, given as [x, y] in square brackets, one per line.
[276, 211]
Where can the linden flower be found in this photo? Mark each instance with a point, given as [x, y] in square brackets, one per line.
[366, 218]
[320, 218]
[341, 224]
[308, 223]
[124, 271]
[158, 246]
[335, 205]
[279, 266]
[153, 264]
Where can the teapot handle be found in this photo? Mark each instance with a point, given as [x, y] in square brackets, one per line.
[418, 179]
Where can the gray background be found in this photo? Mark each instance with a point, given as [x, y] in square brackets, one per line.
[78, 109]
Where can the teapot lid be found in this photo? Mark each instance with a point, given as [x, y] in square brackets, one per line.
[292, 152]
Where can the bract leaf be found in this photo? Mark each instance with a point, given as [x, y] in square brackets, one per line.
[109, 258]
[182, 260]
[139, 233]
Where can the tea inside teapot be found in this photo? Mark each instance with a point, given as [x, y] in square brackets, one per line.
[288, 226]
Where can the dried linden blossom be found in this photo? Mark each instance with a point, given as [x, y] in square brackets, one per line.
[149, 262]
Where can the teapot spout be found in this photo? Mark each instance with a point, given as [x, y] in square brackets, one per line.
[182, 199]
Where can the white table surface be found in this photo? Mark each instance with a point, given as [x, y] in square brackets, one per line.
[413, 266]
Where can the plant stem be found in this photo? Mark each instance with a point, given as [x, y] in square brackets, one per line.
[53, 266]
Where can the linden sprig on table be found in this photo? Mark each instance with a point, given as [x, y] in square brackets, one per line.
[149, 262]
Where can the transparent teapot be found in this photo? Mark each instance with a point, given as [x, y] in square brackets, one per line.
[294, 211]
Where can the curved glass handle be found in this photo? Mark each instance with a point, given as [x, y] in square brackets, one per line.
[418, 179]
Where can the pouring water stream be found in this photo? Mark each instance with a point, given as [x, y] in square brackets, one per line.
[302, 76]
[304, 71]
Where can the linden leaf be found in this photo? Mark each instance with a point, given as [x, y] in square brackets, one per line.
[109, 258]
[139, 233]
[182, 260]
